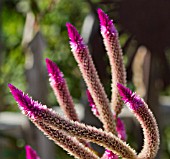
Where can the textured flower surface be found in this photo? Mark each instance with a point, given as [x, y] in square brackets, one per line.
[120, 128]
[72, 135]
[145, 118]
[112, 45]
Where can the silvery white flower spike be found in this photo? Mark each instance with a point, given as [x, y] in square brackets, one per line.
[89, 73]
[40, 113]
[68, 143]
[111, 41]
[146, 119]
[30, 153]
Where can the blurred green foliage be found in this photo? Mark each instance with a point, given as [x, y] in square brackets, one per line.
[51, 20]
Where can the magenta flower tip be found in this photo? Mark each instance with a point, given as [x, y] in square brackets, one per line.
[106, 24]
[51, 66]
[92, 104]
[30, 153]
[73, 34]
[56, 76]
[109, 155]
[120, 127]
[11, 87]
[54, 71]
[17, 94]
[25, 103]
[90, 99]
[132, 99]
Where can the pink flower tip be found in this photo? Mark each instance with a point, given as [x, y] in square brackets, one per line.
[11, 87]
[109, 155]
[73, 34]
[17, 94]
[51, 66]
[30, 153]
[90, 99]
[54, 72]
[120, 127]
[107, 26]
[132, 99]
[92, 104]
[25, 103]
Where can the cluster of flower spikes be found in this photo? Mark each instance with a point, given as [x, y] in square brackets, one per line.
[72, 135]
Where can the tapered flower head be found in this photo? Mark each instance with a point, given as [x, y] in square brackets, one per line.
[30, 153]
[76, 41]
[56, 76]
[132, 99]
[106, 24]
[25, 103]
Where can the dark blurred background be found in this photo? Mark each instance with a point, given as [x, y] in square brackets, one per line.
[31, 31]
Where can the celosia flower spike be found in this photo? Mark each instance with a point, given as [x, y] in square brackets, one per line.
[146, 119]
[110, 38]
[39, 113]
[61, 91]
[30, 153]
[87, 68]
[32, 108]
